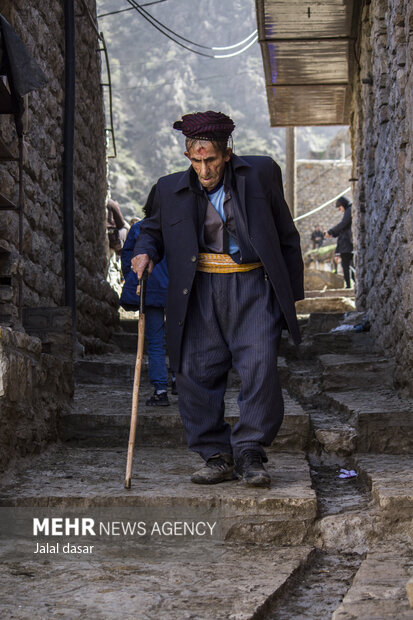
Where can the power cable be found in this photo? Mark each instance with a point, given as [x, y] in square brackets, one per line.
[162, 28]
[129, 9]
[206, 47]
[230, 47]
[141, 12]
[238, 51]
[150, 16]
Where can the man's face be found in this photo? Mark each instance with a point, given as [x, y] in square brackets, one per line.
[208, 163]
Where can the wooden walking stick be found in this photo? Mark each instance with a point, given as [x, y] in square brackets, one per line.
[141, 290]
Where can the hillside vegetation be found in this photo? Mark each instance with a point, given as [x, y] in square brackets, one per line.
[155, 82]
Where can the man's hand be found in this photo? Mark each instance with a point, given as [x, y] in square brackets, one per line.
[139, 264]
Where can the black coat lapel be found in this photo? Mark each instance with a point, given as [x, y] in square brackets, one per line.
[240, 186]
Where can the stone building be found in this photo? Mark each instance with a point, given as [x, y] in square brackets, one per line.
[351, 63]
[382, 142]
[36, 368]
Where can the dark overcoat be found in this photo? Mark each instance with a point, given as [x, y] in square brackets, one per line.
[342, 230]
[176, 222]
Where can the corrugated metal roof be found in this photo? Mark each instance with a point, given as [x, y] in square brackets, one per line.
[308, 55]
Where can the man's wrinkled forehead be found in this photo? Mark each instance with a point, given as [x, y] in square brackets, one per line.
[204, 148]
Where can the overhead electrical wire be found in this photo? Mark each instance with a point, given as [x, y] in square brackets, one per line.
[151, 17]
[252, 38]
[130, 8]
[238, 51]
[206, 47]
[230, 47]
[142, 12]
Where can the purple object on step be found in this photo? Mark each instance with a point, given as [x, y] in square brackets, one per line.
[347, 473]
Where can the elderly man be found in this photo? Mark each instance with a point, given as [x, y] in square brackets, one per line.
[235, 268]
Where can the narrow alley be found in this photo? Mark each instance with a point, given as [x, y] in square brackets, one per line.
[319, 96]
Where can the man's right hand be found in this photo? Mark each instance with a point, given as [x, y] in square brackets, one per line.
[140, 263]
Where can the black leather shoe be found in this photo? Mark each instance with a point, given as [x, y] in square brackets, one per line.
[250, 469]
[218, 468]
[158, 400]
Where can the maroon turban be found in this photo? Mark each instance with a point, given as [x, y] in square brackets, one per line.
[206, 125]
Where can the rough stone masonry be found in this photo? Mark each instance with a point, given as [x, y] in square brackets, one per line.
[36, 370]
[41, 27]
[382, 135]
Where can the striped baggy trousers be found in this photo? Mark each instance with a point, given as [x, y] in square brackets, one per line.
[233, 320]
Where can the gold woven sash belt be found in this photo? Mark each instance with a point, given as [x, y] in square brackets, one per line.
[222, 263]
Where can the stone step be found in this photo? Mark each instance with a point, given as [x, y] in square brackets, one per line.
[101, 417]
[168, 585]
[378, 589]
[322, 322]
[127, 342]
[108, 369]
[129, 326]
[382, 418]
[331, 292]
[384, 513]
[119, 369]
[336, 342]
[332, 305]
[341, 372]
[390, 477]
[333, 434]
[66, 477]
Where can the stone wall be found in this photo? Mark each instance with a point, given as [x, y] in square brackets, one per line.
[318, 182]
[41, 27]
[36, 365]
[35, 386]
[382, 134]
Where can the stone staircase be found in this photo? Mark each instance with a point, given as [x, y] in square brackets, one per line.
[271, 545]
[108, 382]
[162, 464]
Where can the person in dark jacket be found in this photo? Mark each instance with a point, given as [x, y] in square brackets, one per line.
[155, 302]
[235, 270]
[345, 239]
